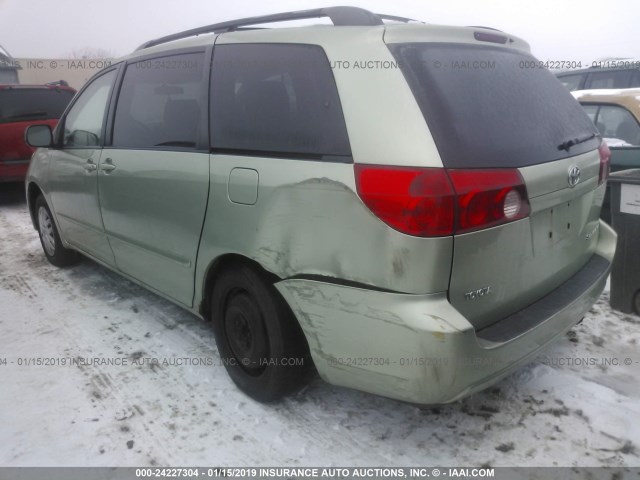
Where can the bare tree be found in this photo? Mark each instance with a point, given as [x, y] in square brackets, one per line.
[86, 53]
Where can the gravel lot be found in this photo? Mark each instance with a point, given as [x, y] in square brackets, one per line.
[572, 406]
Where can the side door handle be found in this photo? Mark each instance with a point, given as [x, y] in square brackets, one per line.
[90, 166]
[107, 166]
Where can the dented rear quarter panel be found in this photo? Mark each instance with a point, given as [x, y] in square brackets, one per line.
[309, 220]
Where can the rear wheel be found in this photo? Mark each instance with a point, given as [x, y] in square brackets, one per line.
[50, 239]
[259, 339]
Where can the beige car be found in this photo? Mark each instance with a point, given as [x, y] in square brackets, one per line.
[616, 114]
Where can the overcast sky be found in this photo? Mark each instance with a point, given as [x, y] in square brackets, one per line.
[556, 29]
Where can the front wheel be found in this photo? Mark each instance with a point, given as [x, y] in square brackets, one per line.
[50, 239]
[259, 339]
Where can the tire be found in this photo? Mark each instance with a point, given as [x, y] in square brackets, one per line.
[50, 238]
[259, 340]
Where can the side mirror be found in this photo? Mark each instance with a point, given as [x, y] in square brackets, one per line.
[38, 136]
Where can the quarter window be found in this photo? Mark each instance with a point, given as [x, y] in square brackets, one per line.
[279, 99]
[160, 103]
[83, 123]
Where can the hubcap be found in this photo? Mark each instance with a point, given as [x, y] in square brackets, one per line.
[45, 225]
[244, 328]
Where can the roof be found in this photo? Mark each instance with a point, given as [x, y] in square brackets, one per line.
[340, 16]
[345, 19]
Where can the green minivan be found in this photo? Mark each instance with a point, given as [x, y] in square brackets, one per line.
[403, 206]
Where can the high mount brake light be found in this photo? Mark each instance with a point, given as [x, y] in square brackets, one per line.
[490, 37]
[434, 202]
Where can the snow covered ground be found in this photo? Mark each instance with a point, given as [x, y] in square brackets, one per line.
[569, 407]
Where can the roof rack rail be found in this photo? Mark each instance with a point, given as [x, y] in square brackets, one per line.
[384, 16]
[486, 28]
[340, 16]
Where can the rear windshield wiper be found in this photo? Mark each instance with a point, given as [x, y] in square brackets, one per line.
[575, 141]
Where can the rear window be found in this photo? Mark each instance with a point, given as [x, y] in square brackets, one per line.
[22, 104]
[491, 107]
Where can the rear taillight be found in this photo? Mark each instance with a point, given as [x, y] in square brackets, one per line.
[605, 162]
[434, 202]
[486, 198]
[415, 201]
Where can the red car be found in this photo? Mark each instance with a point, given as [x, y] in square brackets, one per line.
[21, 106]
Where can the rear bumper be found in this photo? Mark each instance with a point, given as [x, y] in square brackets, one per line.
[13, 170]
[419, 348]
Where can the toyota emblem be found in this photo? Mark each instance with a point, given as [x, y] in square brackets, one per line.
[574, 176]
